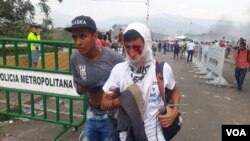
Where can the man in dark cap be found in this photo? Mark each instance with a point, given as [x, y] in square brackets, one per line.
[91, 67]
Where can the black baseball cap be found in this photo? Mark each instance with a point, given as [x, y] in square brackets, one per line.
[82, 22]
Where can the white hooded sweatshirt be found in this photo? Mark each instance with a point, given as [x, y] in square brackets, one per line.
[121, 77]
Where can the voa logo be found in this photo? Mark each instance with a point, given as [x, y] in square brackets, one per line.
[236, 132]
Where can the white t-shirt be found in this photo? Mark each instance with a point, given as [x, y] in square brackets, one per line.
[190, 46]
[154, 100]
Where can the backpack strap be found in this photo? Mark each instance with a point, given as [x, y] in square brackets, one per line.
[166, 93]
[159, 77]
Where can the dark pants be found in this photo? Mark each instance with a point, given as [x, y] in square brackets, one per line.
[176, 52]
[190, 55]
[240, 76]
[164, 50]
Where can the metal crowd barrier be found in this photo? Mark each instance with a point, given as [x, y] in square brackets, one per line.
[15, 54]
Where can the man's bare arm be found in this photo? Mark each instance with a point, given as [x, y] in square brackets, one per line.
[110, 101]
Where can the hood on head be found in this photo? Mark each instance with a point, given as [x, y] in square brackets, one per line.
[146, 55]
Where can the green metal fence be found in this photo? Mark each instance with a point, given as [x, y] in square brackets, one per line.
[55, 58]
[16, 53]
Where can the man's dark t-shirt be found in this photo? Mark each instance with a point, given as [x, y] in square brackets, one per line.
[95, 73]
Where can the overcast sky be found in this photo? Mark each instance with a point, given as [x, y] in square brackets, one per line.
[235, 10]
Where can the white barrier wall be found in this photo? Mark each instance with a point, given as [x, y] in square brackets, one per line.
[215, 60]
[210, 61]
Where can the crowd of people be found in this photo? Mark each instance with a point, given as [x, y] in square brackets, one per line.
[190, 47]
[239, 52]
[176, 47]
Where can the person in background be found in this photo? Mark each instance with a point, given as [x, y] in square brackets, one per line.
[242, 63]
[228, 48]
[176, 49]
[183, 49]
[190, 50]
[109, 38]
[160, 44]
[34, 47]
[106, 42]
[222, 42]
[91, 67]
[98, 40]
[120, 41]
[165, 44]
[154, 47]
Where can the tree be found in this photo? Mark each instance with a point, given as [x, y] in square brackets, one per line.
[14, 10]
[17, 15]
[14, 14]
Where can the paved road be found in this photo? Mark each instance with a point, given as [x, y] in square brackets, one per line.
[208, 107]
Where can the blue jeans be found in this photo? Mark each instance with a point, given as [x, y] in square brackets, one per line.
[190, 55]
[240, 76]
[176, 52]
[99, 128]
[35, 56]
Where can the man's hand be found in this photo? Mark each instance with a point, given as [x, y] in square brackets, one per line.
[114, 93]
[167, 120]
